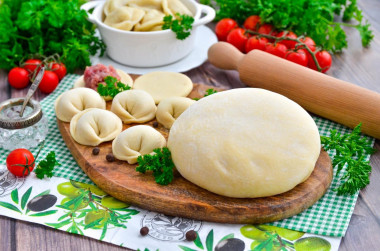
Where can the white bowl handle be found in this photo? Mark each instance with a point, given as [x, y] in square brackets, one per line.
[210, 15]
[88, 6]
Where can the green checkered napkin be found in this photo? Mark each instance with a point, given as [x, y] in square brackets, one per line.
[329, 216]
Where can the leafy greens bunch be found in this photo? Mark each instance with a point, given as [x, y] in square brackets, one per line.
[46, 27]
[350, 150]
[316, 19]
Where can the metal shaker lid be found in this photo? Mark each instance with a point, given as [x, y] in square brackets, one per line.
[10, 110]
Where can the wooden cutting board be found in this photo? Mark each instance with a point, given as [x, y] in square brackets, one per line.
[183, 198]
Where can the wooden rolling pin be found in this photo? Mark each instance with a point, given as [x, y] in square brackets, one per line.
[316, 92]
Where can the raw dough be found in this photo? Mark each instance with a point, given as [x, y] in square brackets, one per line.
[125, 79]
[245, 143]
[134, 106]
[76, 100]
[168, 110]
[94, 126]
[135, 141]
[163, 85]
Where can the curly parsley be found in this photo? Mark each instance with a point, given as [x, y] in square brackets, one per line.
[46, 166]
[350, 150]
[180, 26]
[160, 163]
[111, 87]
[44, 27]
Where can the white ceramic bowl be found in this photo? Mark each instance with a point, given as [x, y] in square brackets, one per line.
[151, 48]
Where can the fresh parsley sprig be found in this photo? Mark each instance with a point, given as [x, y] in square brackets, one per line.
[46, 166]
[47, 27]
[181, 26]
[210, 92]
[111, 87]
[160, 163]
[350, 149]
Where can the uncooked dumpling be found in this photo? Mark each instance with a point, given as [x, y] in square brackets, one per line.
[152, 18]
[124, 18]
[161, 85]
[145, 4]
[94, 126]
[168, 110]
[76, 100]
[134, 106]
[136, 141]
[245, 143]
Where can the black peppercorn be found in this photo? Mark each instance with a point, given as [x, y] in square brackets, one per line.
[191, 235]
[95, 151]
[144, 231]
[155, 124]
[110, 157]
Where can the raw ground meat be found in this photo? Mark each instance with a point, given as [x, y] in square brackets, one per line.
[93, 75]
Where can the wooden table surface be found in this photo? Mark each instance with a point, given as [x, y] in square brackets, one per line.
[356, 65]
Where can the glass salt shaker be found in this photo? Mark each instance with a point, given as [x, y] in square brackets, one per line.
[21, 132]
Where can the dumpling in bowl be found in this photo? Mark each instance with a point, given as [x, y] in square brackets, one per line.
[124, 18]
[112, 5]
[172, 7]
[76, 100]
[145, 4]
[153, 19]
[134, 106]
[168, 110]
[94, 126]
[136, 141]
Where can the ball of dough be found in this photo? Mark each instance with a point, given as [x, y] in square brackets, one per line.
[168, 110]
[76, 100]
[134, 106]
[162, 85]
[94, 126]
[135, 141]
[245, 143]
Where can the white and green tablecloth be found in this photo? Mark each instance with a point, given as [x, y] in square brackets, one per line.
[330, 216]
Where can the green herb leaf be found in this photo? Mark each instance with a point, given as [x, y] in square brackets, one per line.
[350, 149]
[210, 92]
[46, 166]
[160, 163]
[181, 25]
[111, 87]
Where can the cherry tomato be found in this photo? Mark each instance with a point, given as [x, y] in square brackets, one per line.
[238, 38]
[324, 60]
[59, 69]
[18, 77]
[288, 43]
[223, 27]
[49, 82]
[298, 57]
[278, 50]
[31, 65]
[252, 23]
[255, 43]
[309, 43]
[20, 162]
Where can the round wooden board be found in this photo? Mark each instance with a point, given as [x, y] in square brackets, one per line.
[183, 198]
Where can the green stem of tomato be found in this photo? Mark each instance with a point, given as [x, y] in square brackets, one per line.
[300, 44]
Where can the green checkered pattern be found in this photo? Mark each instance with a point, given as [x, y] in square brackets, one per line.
[329, 216]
